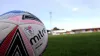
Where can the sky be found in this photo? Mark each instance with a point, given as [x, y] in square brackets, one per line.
[66, 14]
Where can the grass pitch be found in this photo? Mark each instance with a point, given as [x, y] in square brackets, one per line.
[87, 44]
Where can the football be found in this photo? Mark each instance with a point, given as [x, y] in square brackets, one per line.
[22, 34]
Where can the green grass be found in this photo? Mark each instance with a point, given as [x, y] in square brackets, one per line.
[74, 45]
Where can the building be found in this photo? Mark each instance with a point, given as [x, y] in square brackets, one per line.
[86, 30]
[70, 32]
[58, 32]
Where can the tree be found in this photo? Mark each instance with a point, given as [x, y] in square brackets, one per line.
[55, 28]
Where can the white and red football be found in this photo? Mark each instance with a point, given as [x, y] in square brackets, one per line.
[22, 34]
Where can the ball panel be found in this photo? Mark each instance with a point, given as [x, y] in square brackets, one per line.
[5, 29]
[27, 43]
[37, 36]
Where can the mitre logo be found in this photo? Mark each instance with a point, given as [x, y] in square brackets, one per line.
[36, 38]
[13, 45]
